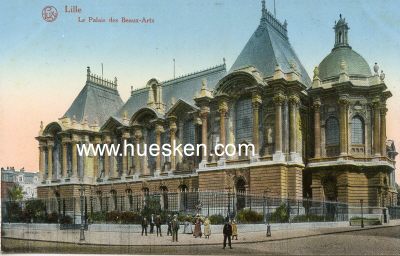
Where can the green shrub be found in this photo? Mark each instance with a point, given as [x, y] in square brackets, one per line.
[248, 216]
[66, 219]
[280, 215]
[130, 218]
[217, 219]
[97, 217]
[52, 218]
[113, 217]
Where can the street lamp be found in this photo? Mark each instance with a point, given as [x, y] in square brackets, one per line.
[362, 214]
[229, 202]
[82, 228]
[267, 217]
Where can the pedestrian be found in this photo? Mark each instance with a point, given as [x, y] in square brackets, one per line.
[175, 228]
[207, 228]
[197, 227]
[152, 224]
[234, 230]
[227, 231]
[169, 223]
[145, 224]
[158, 224]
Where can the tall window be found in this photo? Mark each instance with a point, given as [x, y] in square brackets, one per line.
[357, 130]
[188, 132]
[332, 131]
[151, 139]
[244, 122]
[114, 199]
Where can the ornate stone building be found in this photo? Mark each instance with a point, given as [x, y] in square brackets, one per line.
[324, 138]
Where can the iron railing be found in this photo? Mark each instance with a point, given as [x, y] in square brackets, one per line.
[130, 208]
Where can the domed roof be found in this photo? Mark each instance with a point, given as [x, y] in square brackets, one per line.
[355, 63]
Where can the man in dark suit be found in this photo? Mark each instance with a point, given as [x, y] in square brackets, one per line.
[158, 224]
[227, 231]
[145, 224]
[169, 223]
[175, 228]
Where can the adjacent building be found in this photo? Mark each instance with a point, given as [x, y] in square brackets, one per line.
[28, 181]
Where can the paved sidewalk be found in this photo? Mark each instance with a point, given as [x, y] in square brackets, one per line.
[135, 239]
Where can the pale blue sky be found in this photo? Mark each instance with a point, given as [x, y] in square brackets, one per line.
[43, 65]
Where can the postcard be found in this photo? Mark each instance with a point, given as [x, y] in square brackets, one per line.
[257, 127]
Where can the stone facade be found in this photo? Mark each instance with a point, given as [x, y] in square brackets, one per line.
[324, 138]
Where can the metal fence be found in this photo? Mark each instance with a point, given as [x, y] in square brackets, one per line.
[130, 208]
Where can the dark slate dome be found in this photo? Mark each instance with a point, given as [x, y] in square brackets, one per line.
[356, 65]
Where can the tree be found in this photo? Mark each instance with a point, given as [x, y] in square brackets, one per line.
[14, 209]
[16, 193]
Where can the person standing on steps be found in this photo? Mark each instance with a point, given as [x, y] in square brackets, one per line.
[227, 231]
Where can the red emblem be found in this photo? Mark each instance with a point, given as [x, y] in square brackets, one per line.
[49, 13]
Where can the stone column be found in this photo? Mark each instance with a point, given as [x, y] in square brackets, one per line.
[107, 140]
[294, 101]
[138, 136]
[125, 137]
[172, 131]
[42, 161]
[222, 109]
[50, 160]
[97, 141]
[74, 160]
[204, 131]
[317, 128]
[158, 129]
[377, 145]
[383, 130]
[278, 99]
[64, 159]
[256, 102]
[343, 131]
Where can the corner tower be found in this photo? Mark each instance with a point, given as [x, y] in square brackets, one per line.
[350, 160]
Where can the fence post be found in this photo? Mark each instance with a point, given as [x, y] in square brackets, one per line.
[73, 207]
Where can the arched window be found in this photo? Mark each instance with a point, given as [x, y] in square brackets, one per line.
[130, 198]
[184, 197]
[164, 192]
[240, 194]
[332, 131]
[114, 199]
[100, 200]
[357, 130]
[244, 120]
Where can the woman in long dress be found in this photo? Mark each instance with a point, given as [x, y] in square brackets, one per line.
[197, 227]
[207, 228]
[234, 230]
